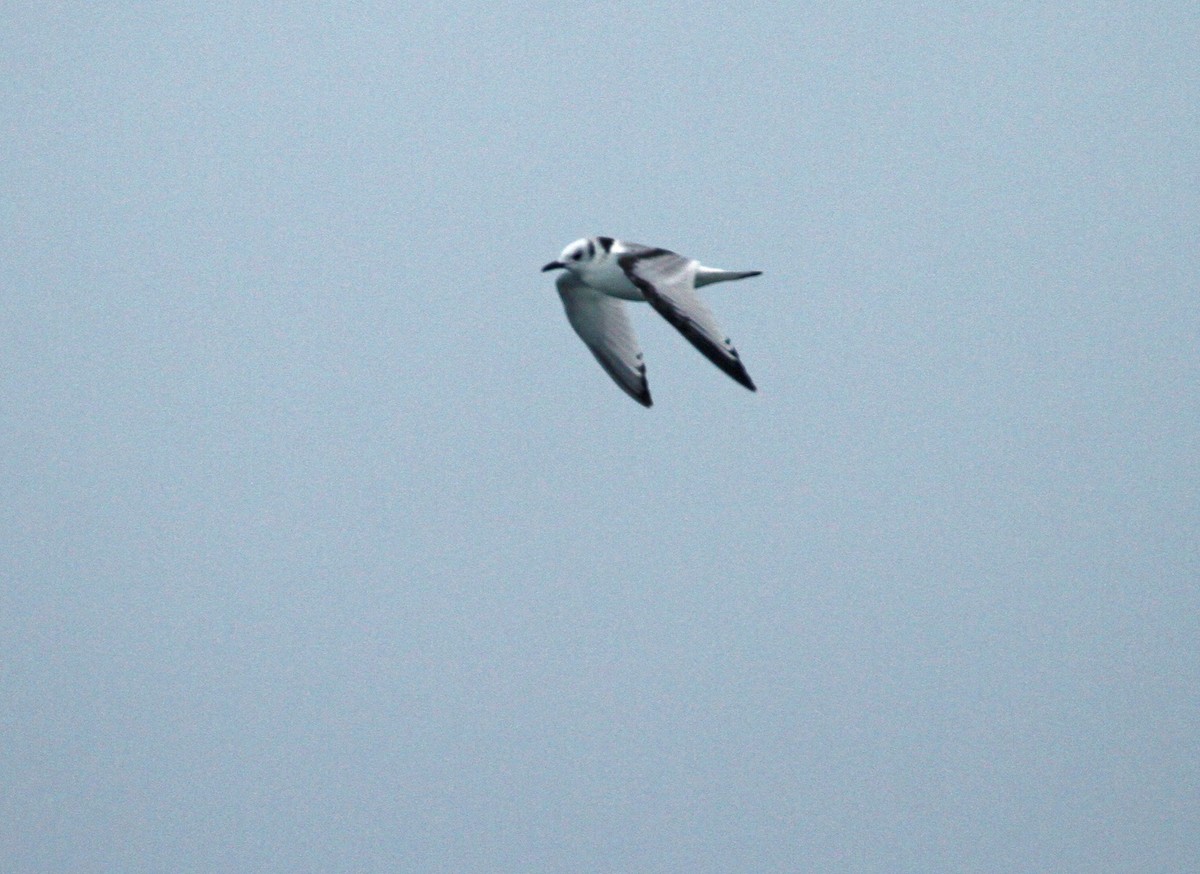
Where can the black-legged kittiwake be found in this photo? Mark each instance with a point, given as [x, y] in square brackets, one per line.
[600, 272]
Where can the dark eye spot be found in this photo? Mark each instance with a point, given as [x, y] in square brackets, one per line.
[576, 256]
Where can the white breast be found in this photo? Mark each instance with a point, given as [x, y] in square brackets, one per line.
[606, 275]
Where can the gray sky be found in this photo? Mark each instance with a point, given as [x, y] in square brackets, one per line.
[326, 546]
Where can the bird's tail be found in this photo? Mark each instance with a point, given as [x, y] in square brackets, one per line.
[709, 275]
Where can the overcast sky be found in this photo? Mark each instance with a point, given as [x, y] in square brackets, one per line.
[326, 546]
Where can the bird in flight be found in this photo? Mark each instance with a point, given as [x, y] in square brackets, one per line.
[599, 273]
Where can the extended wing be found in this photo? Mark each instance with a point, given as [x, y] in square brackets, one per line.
[602, 323]
[669, 283]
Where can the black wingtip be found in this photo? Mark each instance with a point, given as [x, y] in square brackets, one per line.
[740, 376]
[641, 394]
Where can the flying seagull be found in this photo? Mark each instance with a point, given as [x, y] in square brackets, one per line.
[600, 272]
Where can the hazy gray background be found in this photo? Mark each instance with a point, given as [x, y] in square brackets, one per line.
[328, 547]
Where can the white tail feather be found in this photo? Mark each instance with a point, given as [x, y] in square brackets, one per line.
[709, 275]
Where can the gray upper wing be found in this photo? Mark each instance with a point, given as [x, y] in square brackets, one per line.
[668, 282]
[602, 323]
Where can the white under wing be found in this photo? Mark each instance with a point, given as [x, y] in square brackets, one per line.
[602, 323]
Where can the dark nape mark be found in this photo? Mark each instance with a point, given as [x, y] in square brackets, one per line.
[605, 243]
